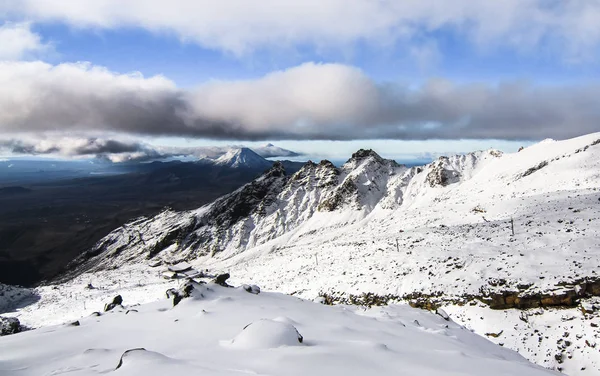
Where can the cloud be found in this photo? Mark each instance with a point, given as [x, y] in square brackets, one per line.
[272, 151]
[310, 101]
[241, 27]
[79, 146]
[118, 151]
[17, 41]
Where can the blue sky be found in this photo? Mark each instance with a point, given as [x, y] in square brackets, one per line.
[189, 64]
[320, 77]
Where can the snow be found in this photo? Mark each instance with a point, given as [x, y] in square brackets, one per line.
[205, 335]
[386, 229]
[266, 334]
[179, 267]
[243, 157]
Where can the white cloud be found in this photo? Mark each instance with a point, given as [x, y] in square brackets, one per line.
[240, 26]
[310, 101]
[17, 41]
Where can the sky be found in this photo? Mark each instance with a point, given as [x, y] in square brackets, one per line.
[411, 78]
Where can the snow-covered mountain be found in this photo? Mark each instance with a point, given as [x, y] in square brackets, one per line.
[508, 244]
[242, 157]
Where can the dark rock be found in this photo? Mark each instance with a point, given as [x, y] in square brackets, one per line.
[534, 169]
[75, 323]
[131, 310]
[125, 354]
[252, 289]
[117, 301]
[96, 314]
[10, 325]
[443, 314]
[178, 294]
[495, 335]
[221, 279]
[365, 153]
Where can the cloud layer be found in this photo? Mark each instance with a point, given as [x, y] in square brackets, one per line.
[240, 26]
[120, 150]
[310, 101]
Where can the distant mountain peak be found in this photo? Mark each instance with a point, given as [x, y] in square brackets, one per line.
[242, 157]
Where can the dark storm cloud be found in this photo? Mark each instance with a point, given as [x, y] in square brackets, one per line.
[311, 101]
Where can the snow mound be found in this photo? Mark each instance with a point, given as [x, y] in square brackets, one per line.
[267, 334]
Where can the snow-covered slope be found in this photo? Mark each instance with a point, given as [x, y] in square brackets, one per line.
[242, 157]
[440, 234]
[226, 331]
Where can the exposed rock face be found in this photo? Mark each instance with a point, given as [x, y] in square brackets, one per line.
[366, 153]
[534, 169]
[9, 325]
[440, 175]
[567, 296]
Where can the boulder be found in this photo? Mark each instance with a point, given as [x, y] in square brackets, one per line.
[221, 279]
[117, 301]
[178, 294]
[10, 325]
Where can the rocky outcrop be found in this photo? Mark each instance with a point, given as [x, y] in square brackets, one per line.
[535, 168]
[440, 175]
[10, 325]
[567, 294]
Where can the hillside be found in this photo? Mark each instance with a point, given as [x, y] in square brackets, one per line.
[431, 236]
[227, 331]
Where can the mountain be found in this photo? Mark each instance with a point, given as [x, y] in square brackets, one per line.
[228, 331]
[508, 244]
[243, 157]
[44, 225]
[272, 151]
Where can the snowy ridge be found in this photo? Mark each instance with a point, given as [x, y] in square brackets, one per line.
[316, 196]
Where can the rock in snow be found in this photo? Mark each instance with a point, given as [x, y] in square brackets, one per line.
[117, 301]
[9, 325]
